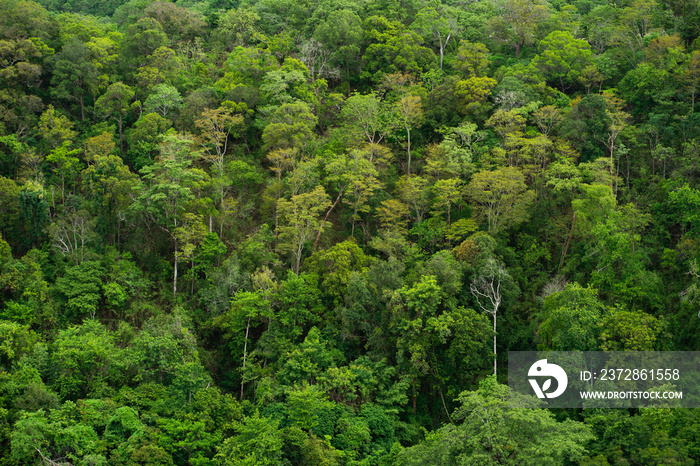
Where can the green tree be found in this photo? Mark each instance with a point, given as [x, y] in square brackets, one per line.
[367, 113]
[55, 129]
[300, 221]
[258, 441]
[115, 103]
[290, 126]
[501, 196]
[392, 48]
[572, 320]
[82, 287]
[473, 92]
[471, 59]
[84, 360]
[563, 58]
[356, 179]
[437, 26]
[169, 190]
[519, 21]
[342, 33]
[141, 40]
[629, 331]
[447, 194]
[238, 28]
[491, 431]
[619, 266]
[410, 113]
[74, 74]
[163, 99]
[66, 163]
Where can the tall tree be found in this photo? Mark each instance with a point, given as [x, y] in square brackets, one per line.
[502, 197]
[169, 190]
[490, 427]
[115, 103]
[410, 113]
[486, 288]
[342, 33]
[438, 26]
[74, 74]
[300, 221]
[519, 21]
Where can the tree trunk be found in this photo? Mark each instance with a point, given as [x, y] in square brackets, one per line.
[318, 236]
[568, 240]
[408, 131]
[245, 354]
[175, 271]
[121, 138]
[495, 358]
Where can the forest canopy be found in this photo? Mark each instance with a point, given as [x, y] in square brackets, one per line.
[264, 232]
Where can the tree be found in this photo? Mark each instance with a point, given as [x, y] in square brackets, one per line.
[571, 320]
[473, 92]
[494, 429]
[414, 193]
[410, 113]
[141, 40]
[179, 23]
[163, 67]
[502, 197]
[393, 48]
[486, 288]
[170, 186]
[144, 137]
[471, 59]
[368, 114]
[55, 128]
[163, 99]
[629, 331]
[318, 60]
[238, 27]
[74, 74]
[82, 288]
[116, 103]
[72, 233]
[356, 179]
[342, 33]
[66, 164]
[108, 186]
[290, 126]
[521, 19]
[447, 193]
[258, 441]
[216, 127]
[587, 127]
[436, 26]
[563, 58]
[248, 66]
[432, 335]
[618, 267]
[300, 221]
[690, 77]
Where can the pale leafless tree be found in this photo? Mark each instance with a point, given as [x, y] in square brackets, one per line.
[71, 234]
[486, 288]
[317, 60]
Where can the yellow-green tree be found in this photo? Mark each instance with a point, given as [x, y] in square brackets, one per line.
[501, 197]
[300, 221]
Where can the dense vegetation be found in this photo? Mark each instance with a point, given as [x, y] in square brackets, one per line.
[266, 233]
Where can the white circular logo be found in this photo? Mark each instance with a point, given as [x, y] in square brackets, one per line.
[542, 369]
